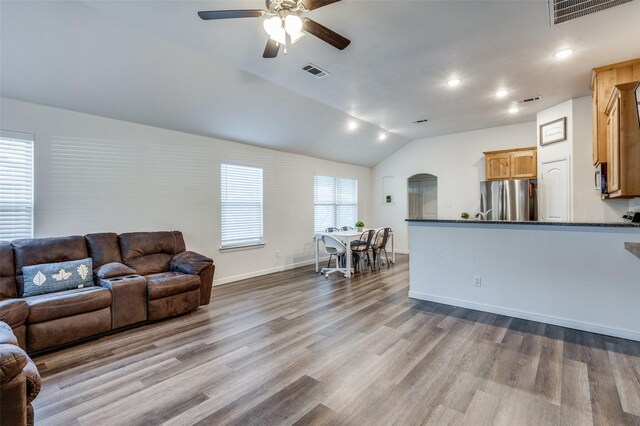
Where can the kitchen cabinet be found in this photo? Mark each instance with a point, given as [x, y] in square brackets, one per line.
[521, 163]
[603, 81]
[623, 142]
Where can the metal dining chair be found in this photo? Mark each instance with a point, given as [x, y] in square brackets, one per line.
[379, 245]
[347, 228]
[334, 247]
[360, 248]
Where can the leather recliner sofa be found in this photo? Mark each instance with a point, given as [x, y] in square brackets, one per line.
[139, 276]
[19, 381]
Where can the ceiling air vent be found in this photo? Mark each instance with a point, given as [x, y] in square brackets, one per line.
[566, 10]
[315, 71]
[529, 100]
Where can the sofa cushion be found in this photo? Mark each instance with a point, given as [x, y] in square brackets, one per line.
[14, 311]
[103, 248]
[47, 307]
[7, 272]
[112, 270]
[52, 277]
[170, 283]
[150, 252]
[36, 251]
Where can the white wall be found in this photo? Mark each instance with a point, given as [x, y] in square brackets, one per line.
[458, 162]
[94, 174]
[573, 276]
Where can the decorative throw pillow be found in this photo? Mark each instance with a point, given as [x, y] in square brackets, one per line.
[52, 277]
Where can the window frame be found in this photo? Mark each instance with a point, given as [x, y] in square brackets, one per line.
[335, 204]
[26, 137]
[259, 242]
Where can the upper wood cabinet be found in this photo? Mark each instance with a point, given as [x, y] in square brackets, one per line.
[623, 142]
[521, 163]
[603, 81]
[498, 165]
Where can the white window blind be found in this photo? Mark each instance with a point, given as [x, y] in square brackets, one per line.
[241, 206]
[335, 202]
[16, 185]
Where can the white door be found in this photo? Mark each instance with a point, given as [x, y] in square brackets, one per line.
[554, 191]
[429, 190]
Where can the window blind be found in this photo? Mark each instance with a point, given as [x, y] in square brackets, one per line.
[335, 202]
[16, 185]
[241, 206]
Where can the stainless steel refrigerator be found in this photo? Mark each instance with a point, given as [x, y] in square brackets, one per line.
[514, 199]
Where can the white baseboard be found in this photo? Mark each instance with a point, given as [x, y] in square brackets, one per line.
[398, 251]
[254, 274]
[562, 322]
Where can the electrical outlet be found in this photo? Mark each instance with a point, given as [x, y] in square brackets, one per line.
[277, 254]
[477, 281]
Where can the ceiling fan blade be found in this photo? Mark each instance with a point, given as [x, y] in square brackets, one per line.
[325, 34]
[316, 4]
[271, 49]
[229, 14]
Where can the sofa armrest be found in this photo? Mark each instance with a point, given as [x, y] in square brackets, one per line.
[14, 312]
[112, 270]
[189, 262]
[12, 361]
[34, 382]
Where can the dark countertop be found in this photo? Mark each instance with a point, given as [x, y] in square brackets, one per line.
[505, 222]
[633, 248]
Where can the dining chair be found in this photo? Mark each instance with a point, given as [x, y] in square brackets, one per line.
[360, 249]
[379, 245]
[334, 247]
[330, 230]
[347, 228]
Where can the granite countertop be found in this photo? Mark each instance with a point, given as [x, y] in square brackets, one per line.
[532, 223]
[633, 248]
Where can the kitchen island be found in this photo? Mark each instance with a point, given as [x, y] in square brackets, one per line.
[576, 275]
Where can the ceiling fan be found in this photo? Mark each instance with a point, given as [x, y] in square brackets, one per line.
[284, 24]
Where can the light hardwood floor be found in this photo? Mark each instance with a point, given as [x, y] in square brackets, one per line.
[296, 348]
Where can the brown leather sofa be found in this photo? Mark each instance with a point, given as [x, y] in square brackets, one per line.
[139, 276]
[19, 381]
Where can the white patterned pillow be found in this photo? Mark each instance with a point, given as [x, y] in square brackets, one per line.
[52, 277]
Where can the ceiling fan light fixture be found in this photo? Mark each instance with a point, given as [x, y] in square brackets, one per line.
[273, 25]
[293, 25]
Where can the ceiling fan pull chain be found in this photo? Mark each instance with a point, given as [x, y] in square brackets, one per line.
[287, 40]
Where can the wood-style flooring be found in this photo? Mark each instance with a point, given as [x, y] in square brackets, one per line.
[296, 348]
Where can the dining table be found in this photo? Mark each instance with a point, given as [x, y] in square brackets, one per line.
[346, 238]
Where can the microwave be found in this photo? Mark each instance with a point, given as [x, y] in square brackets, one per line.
[600, 179]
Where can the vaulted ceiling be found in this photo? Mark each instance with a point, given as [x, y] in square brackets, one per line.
[157, 63]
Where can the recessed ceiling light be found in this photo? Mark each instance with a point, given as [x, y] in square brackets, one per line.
[453, 82]
[513, 110]
[502, 93]
[382, 136]
[352, 125]
[565, 53]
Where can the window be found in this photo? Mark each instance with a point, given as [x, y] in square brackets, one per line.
[16, 185]
[335, 202]
[241, 206]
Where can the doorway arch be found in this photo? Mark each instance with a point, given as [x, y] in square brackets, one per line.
[422, 194]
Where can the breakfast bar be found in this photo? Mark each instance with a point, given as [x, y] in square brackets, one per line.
[577, 275]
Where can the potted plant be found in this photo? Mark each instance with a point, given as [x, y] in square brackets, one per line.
[464, 215]
[359, 225]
